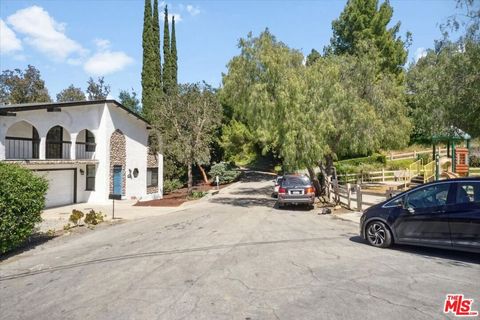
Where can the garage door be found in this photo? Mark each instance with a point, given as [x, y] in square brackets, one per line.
[60, 187]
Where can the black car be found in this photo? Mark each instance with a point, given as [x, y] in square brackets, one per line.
[444, 214]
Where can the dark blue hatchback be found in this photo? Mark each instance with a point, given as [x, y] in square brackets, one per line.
[443, 214]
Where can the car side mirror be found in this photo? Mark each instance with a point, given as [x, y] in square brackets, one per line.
[411, 210]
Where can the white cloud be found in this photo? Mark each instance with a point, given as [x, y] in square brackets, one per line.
[102, 44]
[193, 10]
[44, 33]
[9, 42]
[177, 16]
[420, 53]
[106, 62]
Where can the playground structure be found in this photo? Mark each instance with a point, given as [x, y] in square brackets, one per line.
[444, 165]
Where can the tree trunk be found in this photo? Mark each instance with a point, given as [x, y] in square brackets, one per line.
[315, 181]
[204, 174]
[329, 165]
[190, 179]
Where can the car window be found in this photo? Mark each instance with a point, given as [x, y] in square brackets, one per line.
[397, 202]
[295, 181]
[468, 192]
[431, 196]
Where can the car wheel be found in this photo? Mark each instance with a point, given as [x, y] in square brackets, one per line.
[378, 235]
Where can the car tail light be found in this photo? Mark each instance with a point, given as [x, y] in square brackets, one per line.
[310, 190]
[282, 190]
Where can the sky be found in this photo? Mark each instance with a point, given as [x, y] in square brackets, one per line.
[72, 40]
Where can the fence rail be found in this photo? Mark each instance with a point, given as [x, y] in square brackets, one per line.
[413, 155]
[353, 197]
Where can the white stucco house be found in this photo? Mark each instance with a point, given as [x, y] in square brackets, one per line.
[87, 150]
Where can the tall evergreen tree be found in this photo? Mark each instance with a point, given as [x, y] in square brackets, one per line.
[148, 76]
[167, 76]
[364, 23]
[173, 57]
[157, 64]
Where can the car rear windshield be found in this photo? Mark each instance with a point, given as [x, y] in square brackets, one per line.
[295, 181]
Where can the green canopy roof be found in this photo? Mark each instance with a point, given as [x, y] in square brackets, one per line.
[451, 134]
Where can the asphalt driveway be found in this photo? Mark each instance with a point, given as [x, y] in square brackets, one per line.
[232, 257]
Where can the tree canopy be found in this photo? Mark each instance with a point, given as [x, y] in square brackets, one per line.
[130, 100]
[187, 122]
[365, 21]
[19, 86]
[97, 90]
[71, 94]
[338, 106]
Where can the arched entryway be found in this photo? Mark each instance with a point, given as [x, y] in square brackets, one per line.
[118, 159]
[22, 141]
[58, 144]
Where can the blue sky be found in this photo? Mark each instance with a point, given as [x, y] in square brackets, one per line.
[69, 41]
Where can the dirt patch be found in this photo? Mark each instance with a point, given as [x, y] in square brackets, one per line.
[177, 197]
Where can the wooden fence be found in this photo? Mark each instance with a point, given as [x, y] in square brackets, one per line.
[353, 197]
[413, 155]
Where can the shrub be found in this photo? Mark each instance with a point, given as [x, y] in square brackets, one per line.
[474, 161]
[226, 172]
[93, 217]
[22, 198]
[197, 195]
[171, 185]
[399, 164]
[425, 157]
[76, 216]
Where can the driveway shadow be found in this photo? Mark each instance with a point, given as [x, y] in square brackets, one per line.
[267, 191]
[456, 257]
[257, 176]
[245, 202]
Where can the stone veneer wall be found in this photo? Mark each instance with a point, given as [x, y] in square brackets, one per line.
[152, 162]
[118, 157]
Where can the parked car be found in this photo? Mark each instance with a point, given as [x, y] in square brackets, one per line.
[276, 185]
[296, 189]
[443, 214]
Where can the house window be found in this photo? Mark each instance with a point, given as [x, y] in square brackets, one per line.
[89, 141]
[90, 178]
[152, 177]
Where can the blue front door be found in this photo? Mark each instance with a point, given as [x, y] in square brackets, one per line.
[117, 179]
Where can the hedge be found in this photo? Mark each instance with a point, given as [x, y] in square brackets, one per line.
[226, 172]
[22, 199]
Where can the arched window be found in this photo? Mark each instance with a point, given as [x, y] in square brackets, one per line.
[22, 141]
[85, 145]
[58, 143]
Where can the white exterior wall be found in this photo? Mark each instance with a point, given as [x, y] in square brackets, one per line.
[136, 142]
[102, 120]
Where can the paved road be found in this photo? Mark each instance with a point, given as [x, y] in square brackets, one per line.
[234, 257]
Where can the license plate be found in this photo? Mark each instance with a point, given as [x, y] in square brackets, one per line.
[296, 192]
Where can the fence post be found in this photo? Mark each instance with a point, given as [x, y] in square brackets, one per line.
[391, 155]
[383, 174]
[336, 192]
[359, 198]
[415, 154]
[349, 196]
[329, 188]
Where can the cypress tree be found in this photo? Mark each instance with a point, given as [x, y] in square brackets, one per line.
[148, 81]
[166, 54]
[173, 55]
[157, 64]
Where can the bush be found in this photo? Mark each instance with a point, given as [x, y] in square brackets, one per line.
[197, 195]
[474, 161]
[22, 198]
[226, 172]
[76, 216]
[399, 164]
[425, 157]
[93, 217]
[171, 185]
